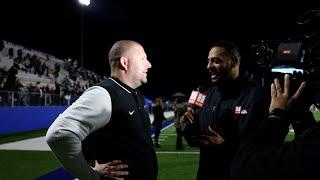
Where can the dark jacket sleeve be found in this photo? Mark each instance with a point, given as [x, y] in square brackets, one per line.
[301, 120]
[191, 133]
[273, 129]
[266, 155]
[258, 155]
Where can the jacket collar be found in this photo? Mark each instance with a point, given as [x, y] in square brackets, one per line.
[122, 85]
[233, 87]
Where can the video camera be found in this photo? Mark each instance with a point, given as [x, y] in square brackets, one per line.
[298, 56]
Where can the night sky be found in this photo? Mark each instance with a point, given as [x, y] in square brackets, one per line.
[176, 35]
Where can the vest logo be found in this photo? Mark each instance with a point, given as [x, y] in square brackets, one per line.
[244, 111]
[239, 110]
[131, 112]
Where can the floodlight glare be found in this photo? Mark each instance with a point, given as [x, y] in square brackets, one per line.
[84, 2]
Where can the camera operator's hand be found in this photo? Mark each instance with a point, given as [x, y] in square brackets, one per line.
[280, 98]
[188, 116]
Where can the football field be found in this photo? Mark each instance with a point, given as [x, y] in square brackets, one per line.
[27, 164]
[30, 164]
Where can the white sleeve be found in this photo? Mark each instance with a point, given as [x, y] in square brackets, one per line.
[90, 112]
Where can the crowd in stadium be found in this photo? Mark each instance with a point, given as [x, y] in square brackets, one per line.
[30, 77]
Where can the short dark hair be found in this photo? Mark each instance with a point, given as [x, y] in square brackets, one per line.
[231, 47]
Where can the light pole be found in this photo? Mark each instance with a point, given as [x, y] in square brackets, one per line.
[83, 3]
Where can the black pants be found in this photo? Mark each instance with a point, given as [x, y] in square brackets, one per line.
[179, 145]
[157, 128]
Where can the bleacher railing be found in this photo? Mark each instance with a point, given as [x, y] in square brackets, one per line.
[19, 98]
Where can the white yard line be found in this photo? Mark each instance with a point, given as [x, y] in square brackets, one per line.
[165, 134]
[176, 152]
[39, 143]
[166, 127]
[33, 144]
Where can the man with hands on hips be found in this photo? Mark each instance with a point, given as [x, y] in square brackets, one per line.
[109, 123]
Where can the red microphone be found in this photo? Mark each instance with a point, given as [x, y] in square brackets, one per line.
[197, 99]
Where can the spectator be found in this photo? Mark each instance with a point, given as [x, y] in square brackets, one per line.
[179, 109]
[158, 119]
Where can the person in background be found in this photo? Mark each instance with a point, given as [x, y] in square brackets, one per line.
[158, 120]
[179, 109]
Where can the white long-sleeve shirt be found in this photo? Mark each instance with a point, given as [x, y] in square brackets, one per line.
[90, 112]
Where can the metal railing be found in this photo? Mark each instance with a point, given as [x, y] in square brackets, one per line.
[20, 98]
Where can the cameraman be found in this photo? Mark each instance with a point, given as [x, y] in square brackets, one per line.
[265, 155]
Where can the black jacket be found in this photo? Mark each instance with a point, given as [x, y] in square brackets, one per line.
[158, 115]
[265, 155]
[232, 110]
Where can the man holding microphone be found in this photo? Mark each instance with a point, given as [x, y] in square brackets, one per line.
[227, 112]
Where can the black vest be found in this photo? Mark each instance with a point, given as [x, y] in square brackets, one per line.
[126, 136]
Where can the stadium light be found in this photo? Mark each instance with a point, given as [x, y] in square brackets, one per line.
[84, 2]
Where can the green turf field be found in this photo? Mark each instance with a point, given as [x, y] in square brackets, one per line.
[22, 136]
[316, 115]
[31, 164]
[26, 164]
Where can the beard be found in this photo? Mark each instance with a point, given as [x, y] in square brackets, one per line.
[221, 77]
